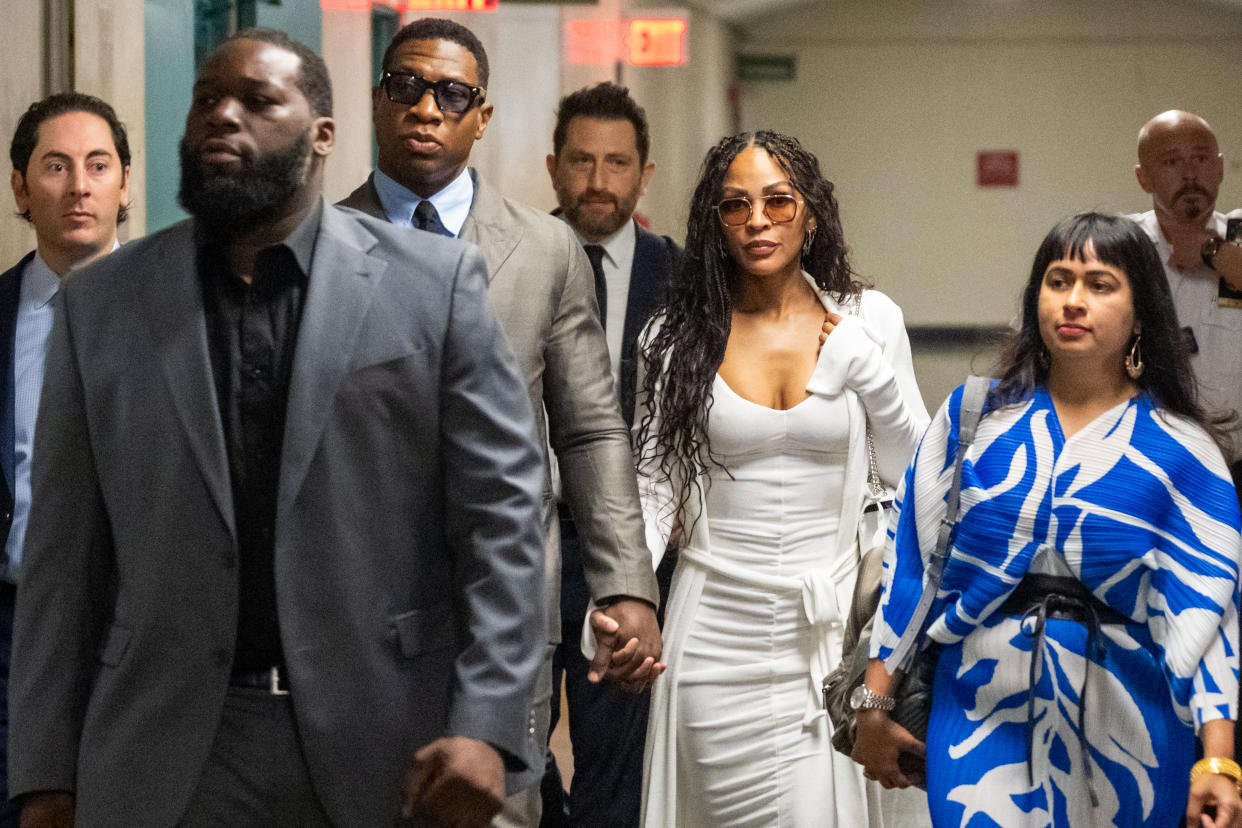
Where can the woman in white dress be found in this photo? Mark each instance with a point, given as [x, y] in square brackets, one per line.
[758, 381]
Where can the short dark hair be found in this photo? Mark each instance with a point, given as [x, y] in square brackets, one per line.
[605, 101]
[436, 28]
[313, 80]
[1119, 242]
[26, 136]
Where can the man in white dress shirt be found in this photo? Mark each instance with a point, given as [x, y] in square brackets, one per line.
[599, 168]
[1180, 164]
[70, 180]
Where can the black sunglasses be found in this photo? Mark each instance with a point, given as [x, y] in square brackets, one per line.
[408, 88]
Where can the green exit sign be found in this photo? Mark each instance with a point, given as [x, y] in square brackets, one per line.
[767, 67]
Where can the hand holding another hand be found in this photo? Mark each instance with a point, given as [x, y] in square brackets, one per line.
[627, 645]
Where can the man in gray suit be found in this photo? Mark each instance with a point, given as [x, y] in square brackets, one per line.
[429, 108]
[285, 558]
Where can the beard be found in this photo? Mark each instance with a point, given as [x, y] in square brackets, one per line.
[1191, 202]
[592, 224]
[259, 192]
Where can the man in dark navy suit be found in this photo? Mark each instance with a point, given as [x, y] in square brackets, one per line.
[71, 182]
[600, 168]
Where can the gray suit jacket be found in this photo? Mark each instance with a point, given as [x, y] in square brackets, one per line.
[408, 555]
[544, 293]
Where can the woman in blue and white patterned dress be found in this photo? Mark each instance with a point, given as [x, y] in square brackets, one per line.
[1087, 619]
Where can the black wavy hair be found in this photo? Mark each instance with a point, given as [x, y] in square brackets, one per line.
[1121, 243]
[26, 136]
[437, 28]
[697, 316]
[606, 101]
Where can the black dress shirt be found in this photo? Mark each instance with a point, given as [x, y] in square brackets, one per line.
[252, 331]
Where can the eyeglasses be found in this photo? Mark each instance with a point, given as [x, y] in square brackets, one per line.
[408, 88]
[779, 208]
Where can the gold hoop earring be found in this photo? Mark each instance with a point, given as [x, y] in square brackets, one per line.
[806, 243]
[1134, 359]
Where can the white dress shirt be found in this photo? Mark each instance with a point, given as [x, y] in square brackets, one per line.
[618, 261]
[1217, 329]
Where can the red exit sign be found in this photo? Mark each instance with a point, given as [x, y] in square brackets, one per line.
[656, 41]
[413, 5]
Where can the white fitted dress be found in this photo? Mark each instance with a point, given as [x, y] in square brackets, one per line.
[750, 751]
[755, 619]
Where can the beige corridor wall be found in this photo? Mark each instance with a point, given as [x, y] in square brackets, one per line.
[21, 82]
[896, 98]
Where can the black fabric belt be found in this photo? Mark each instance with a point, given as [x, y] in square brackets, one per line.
[1040, 597]
[1066, 598]
[273, 680]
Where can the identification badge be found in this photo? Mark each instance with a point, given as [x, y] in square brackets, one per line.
[1228, 297]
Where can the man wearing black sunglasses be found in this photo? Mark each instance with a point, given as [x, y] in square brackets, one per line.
[429, 108]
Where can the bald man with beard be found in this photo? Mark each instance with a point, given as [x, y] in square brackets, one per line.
[1180, 164]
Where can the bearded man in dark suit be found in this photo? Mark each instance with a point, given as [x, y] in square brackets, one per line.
[285, 559]
[600, 166]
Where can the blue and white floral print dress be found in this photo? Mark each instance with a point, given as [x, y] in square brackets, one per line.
[1138, 506]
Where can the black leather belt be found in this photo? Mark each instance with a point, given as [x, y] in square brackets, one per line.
[1040, 597]
[272, 680]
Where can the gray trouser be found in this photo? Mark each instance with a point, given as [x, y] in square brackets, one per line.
[256, 774]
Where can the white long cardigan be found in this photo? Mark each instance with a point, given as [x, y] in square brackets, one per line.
[867, 360]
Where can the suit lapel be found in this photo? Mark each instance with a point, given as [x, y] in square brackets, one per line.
[342, 283]
[174, 308]
[10, 295]
[366, 199]
[648, 277]
[486, 226]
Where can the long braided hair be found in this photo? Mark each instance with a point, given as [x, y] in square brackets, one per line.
[682, 357]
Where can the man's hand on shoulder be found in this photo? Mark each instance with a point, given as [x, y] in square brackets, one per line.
[456, 782]
[627, 645]
[47, 809]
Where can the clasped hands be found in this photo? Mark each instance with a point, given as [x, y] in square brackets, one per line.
[627, 645]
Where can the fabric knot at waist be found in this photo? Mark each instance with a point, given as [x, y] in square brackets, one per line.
[817, 589]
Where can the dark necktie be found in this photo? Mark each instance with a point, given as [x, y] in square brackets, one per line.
[595, 253]
[426, 218]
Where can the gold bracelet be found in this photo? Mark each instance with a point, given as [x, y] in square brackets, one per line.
[1216, 764]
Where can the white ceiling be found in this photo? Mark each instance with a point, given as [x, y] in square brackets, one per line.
[740, 11]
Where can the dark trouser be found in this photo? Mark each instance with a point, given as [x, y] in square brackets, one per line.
[8, 810]
[607, 726]
[256, 774]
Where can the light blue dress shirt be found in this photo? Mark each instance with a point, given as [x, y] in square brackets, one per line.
[452, 203]
[35, 312]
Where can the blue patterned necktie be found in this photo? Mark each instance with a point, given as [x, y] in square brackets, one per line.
[426, 218]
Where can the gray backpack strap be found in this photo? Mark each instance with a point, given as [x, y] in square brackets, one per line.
[973, 397]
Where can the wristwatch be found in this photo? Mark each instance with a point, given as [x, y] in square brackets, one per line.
[1209, 249]
[864, 698]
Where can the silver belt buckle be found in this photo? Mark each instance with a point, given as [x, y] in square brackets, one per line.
[274, 682]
